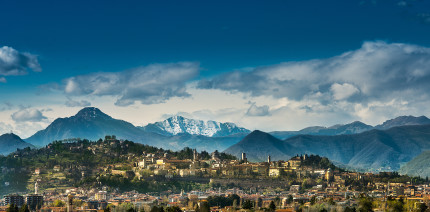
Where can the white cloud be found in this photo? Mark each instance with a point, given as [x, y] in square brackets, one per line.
[28, 115]
[14, 63]
[343, 91]
[255, 110]
[149, 85]
[376, 71]
[375, 82]
[73, 103]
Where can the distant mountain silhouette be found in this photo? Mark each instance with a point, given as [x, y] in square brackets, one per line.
[403, 121]
[375, 150]
[10, 142]
[258, 145]
[352, 128]
[89, 123]
[419, 166]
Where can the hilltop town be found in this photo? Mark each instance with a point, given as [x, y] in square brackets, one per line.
[116, 175]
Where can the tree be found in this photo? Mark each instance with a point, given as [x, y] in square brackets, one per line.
[396, 205]
[331, 201]
[290, 199]
[365, 204]
[131, 210]
[277, 201]
[272, 206]
[58, 203]
[12, 208]
[204, 207]
[157, 209]
[247, 204]
[173, 209]
[313, 200]
[77, 202]
[348, 209]
[24, 208]
[422, 207]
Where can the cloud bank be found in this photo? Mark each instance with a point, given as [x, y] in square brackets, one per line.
[255, 110]
[28, 115]
[149, 85]
[14, 63]
[73, 103]
[376, 71]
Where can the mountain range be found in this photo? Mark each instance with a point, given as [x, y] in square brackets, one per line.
[89, 123]
[358, 145]
[374, 150]
[174, 133]
[339, 129]
[179, 125]
[353, 128]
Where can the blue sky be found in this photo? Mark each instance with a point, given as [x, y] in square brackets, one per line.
[73, 43]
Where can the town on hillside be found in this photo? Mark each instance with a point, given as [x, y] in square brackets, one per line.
[120, 175]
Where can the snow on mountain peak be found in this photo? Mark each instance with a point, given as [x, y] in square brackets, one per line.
[178, 125]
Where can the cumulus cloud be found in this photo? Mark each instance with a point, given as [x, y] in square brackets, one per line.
[14, 63]
[255, 110]
[73, 103]
[149, 85]
[378, 71]
[28, 115]
[343, 91]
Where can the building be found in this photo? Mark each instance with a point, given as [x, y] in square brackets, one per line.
[195, 155]
[15, 199]
[34, 201]
[57, 168]
[142, 164]
[101, 195]
[328, 174]
[244, 157]
[274, 172]
[294, 162]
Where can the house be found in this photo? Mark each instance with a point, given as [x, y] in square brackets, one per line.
[57, 168]
[274, 172]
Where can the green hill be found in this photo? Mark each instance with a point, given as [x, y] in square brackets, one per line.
[74, 163]
[419, 166]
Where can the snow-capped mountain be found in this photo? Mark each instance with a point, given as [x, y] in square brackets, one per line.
[180, 125]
